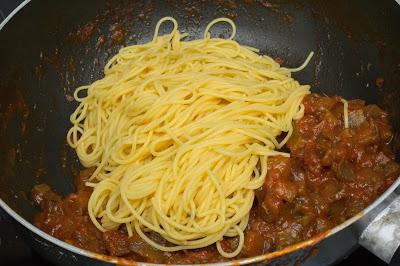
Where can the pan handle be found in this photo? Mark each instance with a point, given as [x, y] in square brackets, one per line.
[382, 235]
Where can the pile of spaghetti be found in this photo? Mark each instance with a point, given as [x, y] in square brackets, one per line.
[180, 133]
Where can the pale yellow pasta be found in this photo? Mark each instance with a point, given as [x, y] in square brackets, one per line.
[179, 133]
[345, 113]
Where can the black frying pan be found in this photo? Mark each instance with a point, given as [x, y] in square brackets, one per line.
[48, 48]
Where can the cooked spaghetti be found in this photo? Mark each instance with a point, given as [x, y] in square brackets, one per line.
[180, 133]
[345, 113]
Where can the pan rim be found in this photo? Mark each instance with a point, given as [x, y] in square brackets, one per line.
[12, 14]
[117, 260]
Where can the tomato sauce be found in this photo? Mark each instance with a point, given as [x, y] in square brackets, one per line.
[332, 174]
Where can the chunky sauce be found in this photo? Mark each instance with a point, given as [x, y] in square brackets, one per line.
[333, 173]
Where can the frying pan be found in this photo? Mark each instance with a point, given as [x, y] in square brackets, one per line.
[48, 48]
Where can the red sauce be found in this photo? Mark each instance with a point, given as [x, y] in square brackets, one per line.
[117, 34]
[333, 173]
[85, 32]
[379, 82]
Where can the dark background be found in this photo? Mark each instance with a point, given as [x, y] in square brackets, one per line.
[13, 250]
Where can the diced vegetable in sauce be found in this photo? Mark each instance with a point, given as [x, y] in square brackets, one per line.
[333, 173]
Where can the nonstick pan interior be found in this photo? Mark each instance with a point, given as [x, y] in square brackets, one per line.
[51, 47]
